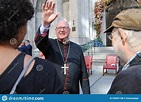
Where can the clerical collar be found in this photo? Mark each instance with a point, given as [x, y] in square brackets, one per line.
[130, 60]
[65, 41]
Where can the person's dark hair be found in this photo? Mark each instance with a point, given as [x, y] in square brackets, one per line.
[27, 41]
[13, 15]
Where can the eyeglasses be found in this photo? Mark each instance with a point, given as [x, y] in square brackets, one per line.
[60, 28]
[110, 37]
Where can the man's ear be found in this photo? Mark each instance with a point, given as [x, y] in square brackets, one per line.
[122, 35]
[139, 1]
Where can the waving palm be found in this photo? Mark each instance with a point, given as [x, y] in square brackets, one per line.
[48, 14]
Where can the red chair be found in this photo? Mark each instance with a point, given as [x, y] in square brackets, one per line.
[111, 63]
[88, 61]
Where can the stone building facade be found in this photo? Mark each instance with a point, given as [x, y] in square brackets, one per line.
[79, 14]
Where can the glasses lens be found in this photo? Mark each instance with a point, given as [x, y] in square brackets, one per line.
[60, 28]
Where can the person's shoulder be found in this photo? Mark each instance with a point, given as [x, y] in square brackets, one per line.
[75, 45]
[135, 70]
[30, 45]
[131, 71]
[51, 39]
[43, 62]
[40, 60]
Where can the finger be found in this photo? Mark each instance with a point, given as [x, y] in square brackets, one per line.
[55, 16]
[43, 7]
[47, 4]
[50, 4]
[53, 6]
[46, 1]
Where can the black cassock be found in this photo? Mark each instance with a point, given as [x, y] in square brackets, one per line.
[54, 52]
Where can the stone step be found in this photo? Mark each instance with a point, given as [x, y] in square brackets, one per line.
[99, 53]
[101, 50]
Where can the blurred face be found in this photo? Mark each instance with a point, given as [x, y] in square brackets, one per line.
[117, 45]
[62, 30]
[26, 42]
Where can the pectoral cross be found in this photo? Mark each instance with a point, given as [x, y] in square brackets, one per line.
[65, 67]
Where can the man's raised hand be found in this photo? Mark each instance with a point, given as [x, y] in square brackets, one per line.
[48, 14]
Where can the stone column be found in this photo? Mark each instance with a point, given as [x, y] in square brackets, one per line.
[31, 28]
[83, 21]
[103, 28]
[73, 20]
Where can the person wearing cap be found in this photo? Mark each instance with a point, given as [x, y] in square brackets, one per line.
[125, 33]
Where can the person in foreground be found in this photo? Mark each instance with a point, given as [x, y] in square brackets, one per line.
[66, 55]
[125, 35]
[41, 76]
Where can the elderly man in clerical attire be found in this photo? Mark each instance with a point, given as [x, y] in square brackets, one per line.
[67, 56]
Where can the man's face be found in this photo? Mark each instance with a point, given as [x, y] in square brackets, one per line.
[62, 30]
[117, 44]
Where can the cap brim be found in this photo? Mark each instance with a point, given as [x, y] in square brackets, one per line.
[109, 29]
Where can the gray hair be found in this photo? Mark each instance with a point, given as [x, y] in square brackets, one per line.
[65, 21]
[133, 39]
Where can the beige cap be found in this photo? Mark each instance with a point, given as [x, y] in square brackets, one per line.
[129, 19]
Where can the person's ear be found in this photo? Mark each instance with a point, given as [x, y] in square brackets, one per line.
[139, 1]
[122, 35]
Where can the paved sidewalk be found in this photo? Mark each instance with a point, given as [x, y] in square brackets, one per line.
[100, 84]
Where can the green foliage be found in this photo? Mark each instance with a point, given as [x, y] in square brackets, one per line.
[93, 43]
